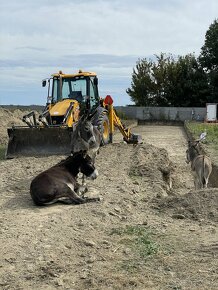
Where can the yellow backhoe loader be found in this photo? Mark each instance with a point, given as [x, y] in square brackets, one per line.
[69, 96]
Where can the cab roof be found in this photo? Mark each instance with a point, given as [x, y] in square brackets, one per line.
[78, 74]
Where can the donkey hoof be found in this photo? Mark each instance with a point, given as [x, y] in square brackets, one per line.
[82, 190]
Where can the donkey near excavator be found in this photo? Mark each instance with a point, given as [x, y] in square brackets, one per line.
[59, 183]
[200, 164]
[86, 136]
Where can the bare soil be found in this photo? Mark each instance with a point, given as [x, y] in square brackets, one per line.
[9, 118]
[141, 235]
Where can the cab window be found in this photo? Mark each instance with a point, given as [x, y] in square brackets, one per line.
[93, 95]
[74, 88]
[56, 91]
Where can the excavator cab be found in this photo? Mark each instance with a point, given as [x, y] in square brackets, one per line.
[63, 90]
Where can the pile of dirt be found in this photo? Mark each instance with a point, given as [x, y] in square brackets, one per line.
[195, 205]
[152, 166]
[7, 119]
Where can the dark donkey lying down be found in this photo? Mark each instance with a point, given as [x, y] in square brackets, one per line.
[59, 183]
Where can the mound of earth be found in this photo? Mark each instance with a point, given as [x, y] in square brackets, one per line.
[7, 119]
[196, 205]
[152, 167]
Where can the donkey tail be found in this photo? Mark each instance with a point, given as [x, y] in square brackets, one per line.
[207, 168]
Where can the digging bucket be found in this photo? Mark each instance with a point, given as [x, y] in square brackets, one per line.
[134, 139]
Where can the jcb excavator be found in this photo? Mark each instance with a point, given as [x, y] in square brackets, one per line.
[69, 96]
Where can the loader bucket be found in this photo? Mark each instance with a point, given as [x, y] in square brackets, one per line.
[25, 141]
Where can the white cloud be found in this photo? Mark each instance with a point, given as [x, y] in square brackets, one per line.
[38, 37]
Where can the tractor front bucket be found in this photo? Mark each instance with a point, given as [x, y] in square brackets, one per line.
[38, 141]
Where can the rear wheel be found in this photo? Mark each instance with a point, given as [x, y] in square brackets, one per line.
[104, 128]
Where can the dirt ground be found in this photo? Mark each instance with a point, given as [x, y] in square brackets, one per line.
[141, 235]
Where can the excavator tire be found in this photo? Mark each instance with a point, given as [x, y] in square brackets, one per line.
[104, 128]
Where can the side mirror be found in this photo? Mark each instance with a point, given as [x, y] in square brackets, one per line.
[44, 83]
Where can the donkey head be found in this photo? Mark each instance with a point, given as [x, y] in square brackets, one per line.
[86, 130]
[87, 167]
[192, 150]
[83, 134]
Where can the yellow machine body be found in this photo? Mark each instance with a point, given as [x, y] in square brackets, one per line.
[59, 109]
[69, 96]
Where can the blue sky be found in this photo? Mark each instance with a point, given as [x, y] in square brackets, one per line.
[38, 38]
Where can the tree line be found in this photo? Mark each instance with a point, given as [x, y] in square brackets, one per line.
[185, 81]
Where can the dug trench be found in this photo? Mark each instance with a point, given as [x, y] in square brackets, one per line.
[150, 231]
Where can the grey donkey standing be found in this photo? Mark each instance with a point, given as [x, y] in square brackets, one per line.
[85, 136]
[200, 164]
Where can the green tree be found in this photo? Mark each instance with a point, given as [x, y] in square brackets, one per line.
[189, 85]
[209, 59]
[160, 77]
[142, 86]
[148, 82]
[169, 81]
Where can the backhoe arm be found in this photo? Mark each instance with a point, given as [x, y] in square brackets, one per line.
[115, 121]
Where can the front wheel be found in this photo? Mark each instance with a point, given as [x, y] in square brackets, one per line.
[104, 128]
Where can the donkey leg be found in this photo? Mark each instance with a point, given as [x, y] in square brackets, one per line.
[200, 184]
[196, 183]
[70, 196]
[81, 190]
[92, 199]
[74, 198]
[83, 180]
[205, 182]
